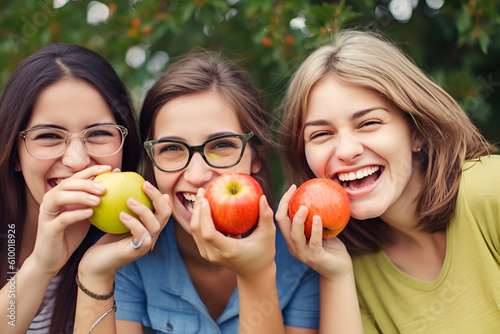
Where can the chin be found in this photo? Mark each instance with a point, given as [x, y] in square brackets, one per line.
[364, 214]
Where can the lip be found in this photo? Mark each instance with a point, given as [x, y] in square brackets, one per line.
[353, 193]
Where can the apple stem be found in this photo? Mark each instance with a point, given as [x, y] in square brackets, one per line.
[233, 190]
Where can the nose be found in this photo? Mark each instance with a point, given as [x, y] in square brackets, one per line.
[76, 156]
[348, 147]
[198, 172]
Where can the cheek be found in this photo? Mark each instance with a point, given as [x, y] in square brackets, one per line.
[165, 181]
[317, 159]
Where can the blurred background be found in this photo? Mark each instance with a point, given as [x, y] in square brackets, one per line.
[453, 41]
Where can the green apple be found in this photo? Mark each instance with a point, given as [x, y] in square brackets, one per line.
[119, 187]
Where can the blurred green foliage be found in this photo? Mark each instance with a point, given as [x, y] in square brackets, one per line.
[454, 43]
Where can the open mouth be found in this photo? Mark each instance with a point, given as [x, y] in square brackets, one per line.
[54, 182]
[187, 199]
[359, 179]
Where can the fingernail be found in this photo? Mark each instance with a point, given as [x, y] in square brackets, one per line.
[125, 216]
[99, 187]
[94, 199]
[302, 211]
[132, 201]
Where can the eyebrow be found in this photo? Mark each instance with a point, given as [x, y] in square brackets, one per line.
[212, 135]
[356, 115]
[55, 126]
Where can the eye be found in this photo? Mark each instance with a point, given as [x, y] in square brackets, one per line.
[98, 133]
[170, 148]
[319, 135]
[48, 135]
[226, 143]
[370, 124]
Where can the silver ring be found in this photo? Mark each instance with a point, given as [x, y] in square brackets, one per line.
[136, 245]
[48, 212]
[139, 243]
[152, 235]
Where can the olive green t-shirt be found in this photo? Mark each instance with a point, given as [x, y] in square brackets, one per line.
[465, 297]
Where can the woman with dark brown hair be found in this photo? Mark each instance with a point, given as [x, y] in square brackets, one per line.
[422, 250]
[65, 117]
[203, 118]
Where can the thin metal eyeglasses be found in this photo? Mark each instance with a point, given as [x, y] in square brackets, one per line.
[169, 155]
[47, 142]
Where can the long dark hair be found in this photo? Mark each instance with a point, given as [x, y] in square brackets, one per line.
[42, 69]
[202, 71]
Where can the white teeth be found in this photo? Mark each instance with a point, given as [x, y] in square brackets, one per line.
[358, 175]
[189, 197]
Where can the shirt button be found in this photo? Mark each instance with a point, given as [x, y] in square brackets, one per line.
[170, 326]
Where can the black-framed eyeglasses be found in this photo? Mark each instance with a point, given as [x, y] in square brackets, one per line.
[171, 155]
[47, 142]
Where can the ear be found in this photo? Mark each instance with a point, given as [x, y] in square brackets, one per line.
[417, 144]
[17, 165]
[256, 166]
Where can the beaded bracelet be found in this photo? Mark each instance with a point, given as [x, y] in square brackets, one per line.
[94, 295]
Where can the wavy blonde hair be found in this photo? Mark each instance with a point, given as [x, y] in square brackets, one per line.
[369, 60]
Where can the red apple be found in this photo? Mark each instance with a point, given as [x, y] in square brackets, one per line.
[234, 202]
[324, 198]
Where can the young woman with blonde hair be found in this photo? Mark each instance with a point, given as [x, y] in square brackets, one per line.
[422, 250]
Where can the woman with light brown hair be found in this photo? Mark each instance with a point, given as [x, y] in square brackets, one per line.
[424, 237]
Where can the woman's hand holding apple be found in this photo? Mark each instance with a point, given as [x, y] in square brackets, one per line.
[328, 257]
[113, 251]
[248, 257]
[59, 234]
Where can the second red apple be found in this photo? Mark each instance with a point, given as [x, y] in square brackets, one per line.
[234, 202]
[324, 198]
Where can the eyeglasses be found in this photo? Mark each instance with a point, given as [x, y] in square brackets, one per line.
[170, 155]
[46, 142]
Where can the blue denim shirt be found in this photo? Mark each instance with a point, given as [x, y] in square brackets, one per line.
[157, 291]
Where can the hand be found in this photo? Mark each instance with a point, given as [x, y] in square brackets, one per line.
[248, 257]
[328, 257]
[113, 251]
[63, 218]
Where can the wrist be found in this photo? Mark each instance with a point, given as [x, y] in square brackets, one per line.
[342, 278]
[265, 273]
[95, 286]
[33, 267]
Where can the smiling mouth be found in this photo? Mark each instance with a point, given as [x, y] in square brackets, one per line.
[359, 179]
[54, 182]
[187, 199]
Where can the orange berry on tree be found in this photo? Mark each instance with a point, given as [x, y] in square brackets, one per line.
[112, 7]
[136, 23]
[266, 41]
[289, 39]
[147, 30]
